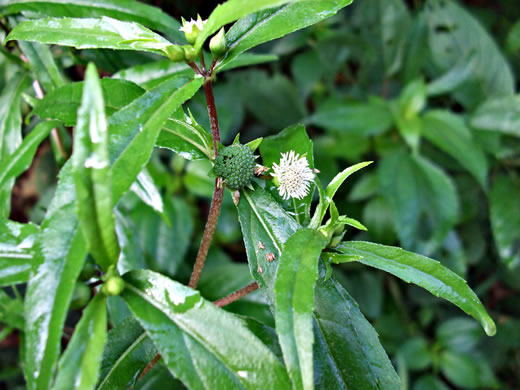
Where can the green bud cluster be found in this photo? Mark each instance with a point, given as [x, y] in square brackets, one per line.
[235, 164]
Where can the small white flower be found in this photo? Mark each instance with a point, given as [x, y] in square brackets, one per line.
[187, 27]
[294, 175]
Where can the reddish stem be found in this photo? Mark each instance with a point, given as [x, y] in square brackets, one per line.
[236, 295]
[211, 224]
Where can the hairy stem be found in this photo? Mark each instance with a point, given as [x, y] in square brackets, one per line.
[211, 224]
[236, 295]
[216, 202]
[212, 111]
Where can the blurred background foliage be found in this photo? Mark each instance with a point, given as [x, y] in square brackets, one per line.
[427, 90]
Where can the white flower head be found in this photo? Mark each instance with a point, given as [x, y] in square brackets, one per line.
[294, 175]
[187, 27]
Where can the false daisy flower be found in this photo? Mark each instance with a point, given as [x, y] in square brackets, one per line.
[187, 27]
[294, 175]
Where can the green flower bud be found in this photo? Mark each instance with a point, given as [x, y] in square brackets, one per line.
[218, 44]
[189, 53]
[113, 286]
[236, 165]
[81, 296]
[175, 53]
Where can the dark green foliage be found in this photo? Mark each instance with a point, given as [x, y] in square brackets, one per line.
[407, 112]
[236, 165]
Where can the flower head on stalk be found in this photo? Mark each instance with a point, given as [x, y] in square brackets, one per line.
[192, 28]
[294, 175]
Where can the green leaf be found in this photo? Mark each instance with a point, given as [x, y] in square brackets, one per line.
[454, 77]
[429, 382]
[330, 191]
[419, 188]
[146, 190]
[459, 334]
[504, 203]
[58, 261]
[127, 352]
[183, 135]
[153, 73]
[384, 25]
[62, 247]
[367, 118]
[258, 213]
[22, 157]
[63, 103]
[337, 320]
[247, 59]
[16, 251]
[449, 133]
[230, 11]
[134, 129]
[420, 270]
[453, 33]
[90, 33]
[294, 295]
[274, 101]
[92, 176]
[79, 365]
[467, 370]
[129, 10]
[353, 357]
[42, 64]
[416, 354]
[10, 131]
[498, 115]
[10, 312]
[196, 348]
[164, 245]
[265, 26]
[293, 138]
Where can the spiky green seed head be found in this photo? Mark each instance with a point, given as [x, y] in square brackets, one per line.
[236, 165]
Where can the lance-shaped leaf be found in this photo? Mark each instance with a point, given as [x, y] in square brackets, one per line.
[420, 270]
[60, 254]
[79, 365]
[183, 135]
[147, 191]
[129, 10]
[127, 352]
[449, 24]
[62, 249]
[16, 251]
[42, 64]
[267, 25]
[10, 131]
[90, 33]
[449, 133]
[204, 346]
[351, 354]
[22, 157]
[504, 202]
[327, 194]
[63, 103]
[134, 129]
[266, 226]
[91, 171]
[293, 138]
[360, 362]
[230, 11]
[294, 295]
